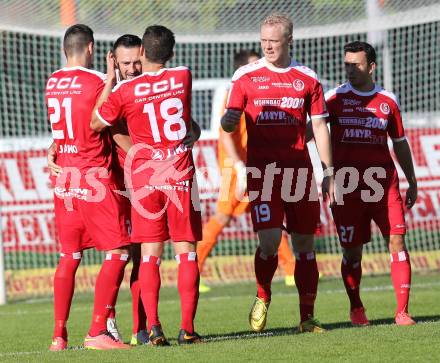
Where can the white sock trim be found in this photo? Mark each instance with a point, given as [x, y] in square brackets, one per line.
[75, 255]
[401, 256]
[192, 256]
[146, 258]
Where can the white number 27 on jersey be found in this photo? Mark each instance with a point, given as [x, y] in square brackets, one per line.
[56, 117]
[170, 120]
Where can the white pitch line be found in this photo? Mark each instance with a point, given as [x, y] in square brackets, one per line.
[220, 298]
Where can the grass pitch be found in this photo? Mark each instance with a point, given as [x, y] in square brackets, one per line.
[26, 327]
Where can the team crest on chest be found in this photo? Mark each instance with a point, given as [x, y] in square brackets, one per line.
[385, 108]
[298, 85]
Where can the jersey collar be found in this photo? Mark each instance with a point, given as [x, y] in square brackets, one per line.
[359, 93]
[160, 71]
[271, 67]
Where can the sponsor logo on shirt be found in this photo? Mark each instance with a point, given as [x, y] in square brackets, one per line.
[79, 193]
[263, 87]
[260, 79]
[347, 110]
[363, 136]
[267, 102]
[63, 83]
[298, 84]
[369, 122]
[350, 102]
[276, 117]
[282, 84]
[385, 108]
[144, 89]
[366, 109]
[285, 102]
[164, 154]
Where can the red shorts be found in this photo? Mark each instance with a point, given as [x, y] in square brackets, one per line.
[297, 202]
[353, 219]
[165, 212]
[83, 224]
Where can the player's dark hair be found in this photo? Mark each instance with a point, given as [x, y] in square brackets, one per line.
[127, 41]
[158, 42]
[77, 38]
[359, 46]
[242, 57]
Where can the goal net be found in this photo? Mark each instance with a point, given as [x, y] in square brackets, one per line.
[208, 33]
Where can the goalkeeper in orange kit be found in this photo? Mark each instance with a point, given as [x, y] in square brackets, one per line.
[232, 151]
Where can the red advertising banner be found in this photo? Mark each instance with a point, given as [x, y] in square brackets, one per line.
[26, 208]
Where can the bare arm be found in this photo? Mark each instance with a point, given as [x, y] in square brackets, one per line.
[192, 135]
[323, 144]
[120, 135]
[96, 124]
[403, 155]
[230, 119]
[51, 158]
[309, 131]
[229, 146]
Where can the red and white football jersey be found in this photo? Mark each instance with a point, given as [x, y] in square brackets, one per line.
[276, 103]
[71, 95]
[360, 123]
[157, 107]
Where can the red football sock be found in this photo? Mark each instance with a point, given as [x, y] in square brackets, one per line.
[188, 286]
[106, 289]
[138, 312]
[306, 280]
[265, 267]
[149, 281]
[351, 275]
[63, 288]
[401, 277]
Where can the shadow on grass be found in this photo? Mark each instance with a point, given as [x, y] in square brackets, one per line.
[212, 338]
[386, 321]
[250, 335]
[293, 330]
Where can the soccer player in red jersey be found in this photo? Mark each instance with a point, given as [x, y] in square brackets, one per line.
[157, 108]
[87, 211]
[232, 147]
[126, 55]
[362, 115]
[276, 94]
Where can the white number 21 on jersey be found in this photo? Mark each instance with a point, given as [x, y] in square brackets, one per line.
[170, 120]
[56, 117]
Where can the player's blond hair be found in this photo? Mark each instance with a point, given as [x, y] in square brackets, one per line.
[279, 18]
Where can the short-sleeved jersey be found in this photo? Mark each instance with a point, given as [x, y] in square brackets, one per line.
[276, 103]
[157, 108]
[239, 138]
[360, 123]
[71, 95]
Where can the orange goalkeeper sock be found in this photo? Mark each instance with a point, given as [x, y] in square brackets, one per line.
[211, 230]
[285, 256]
